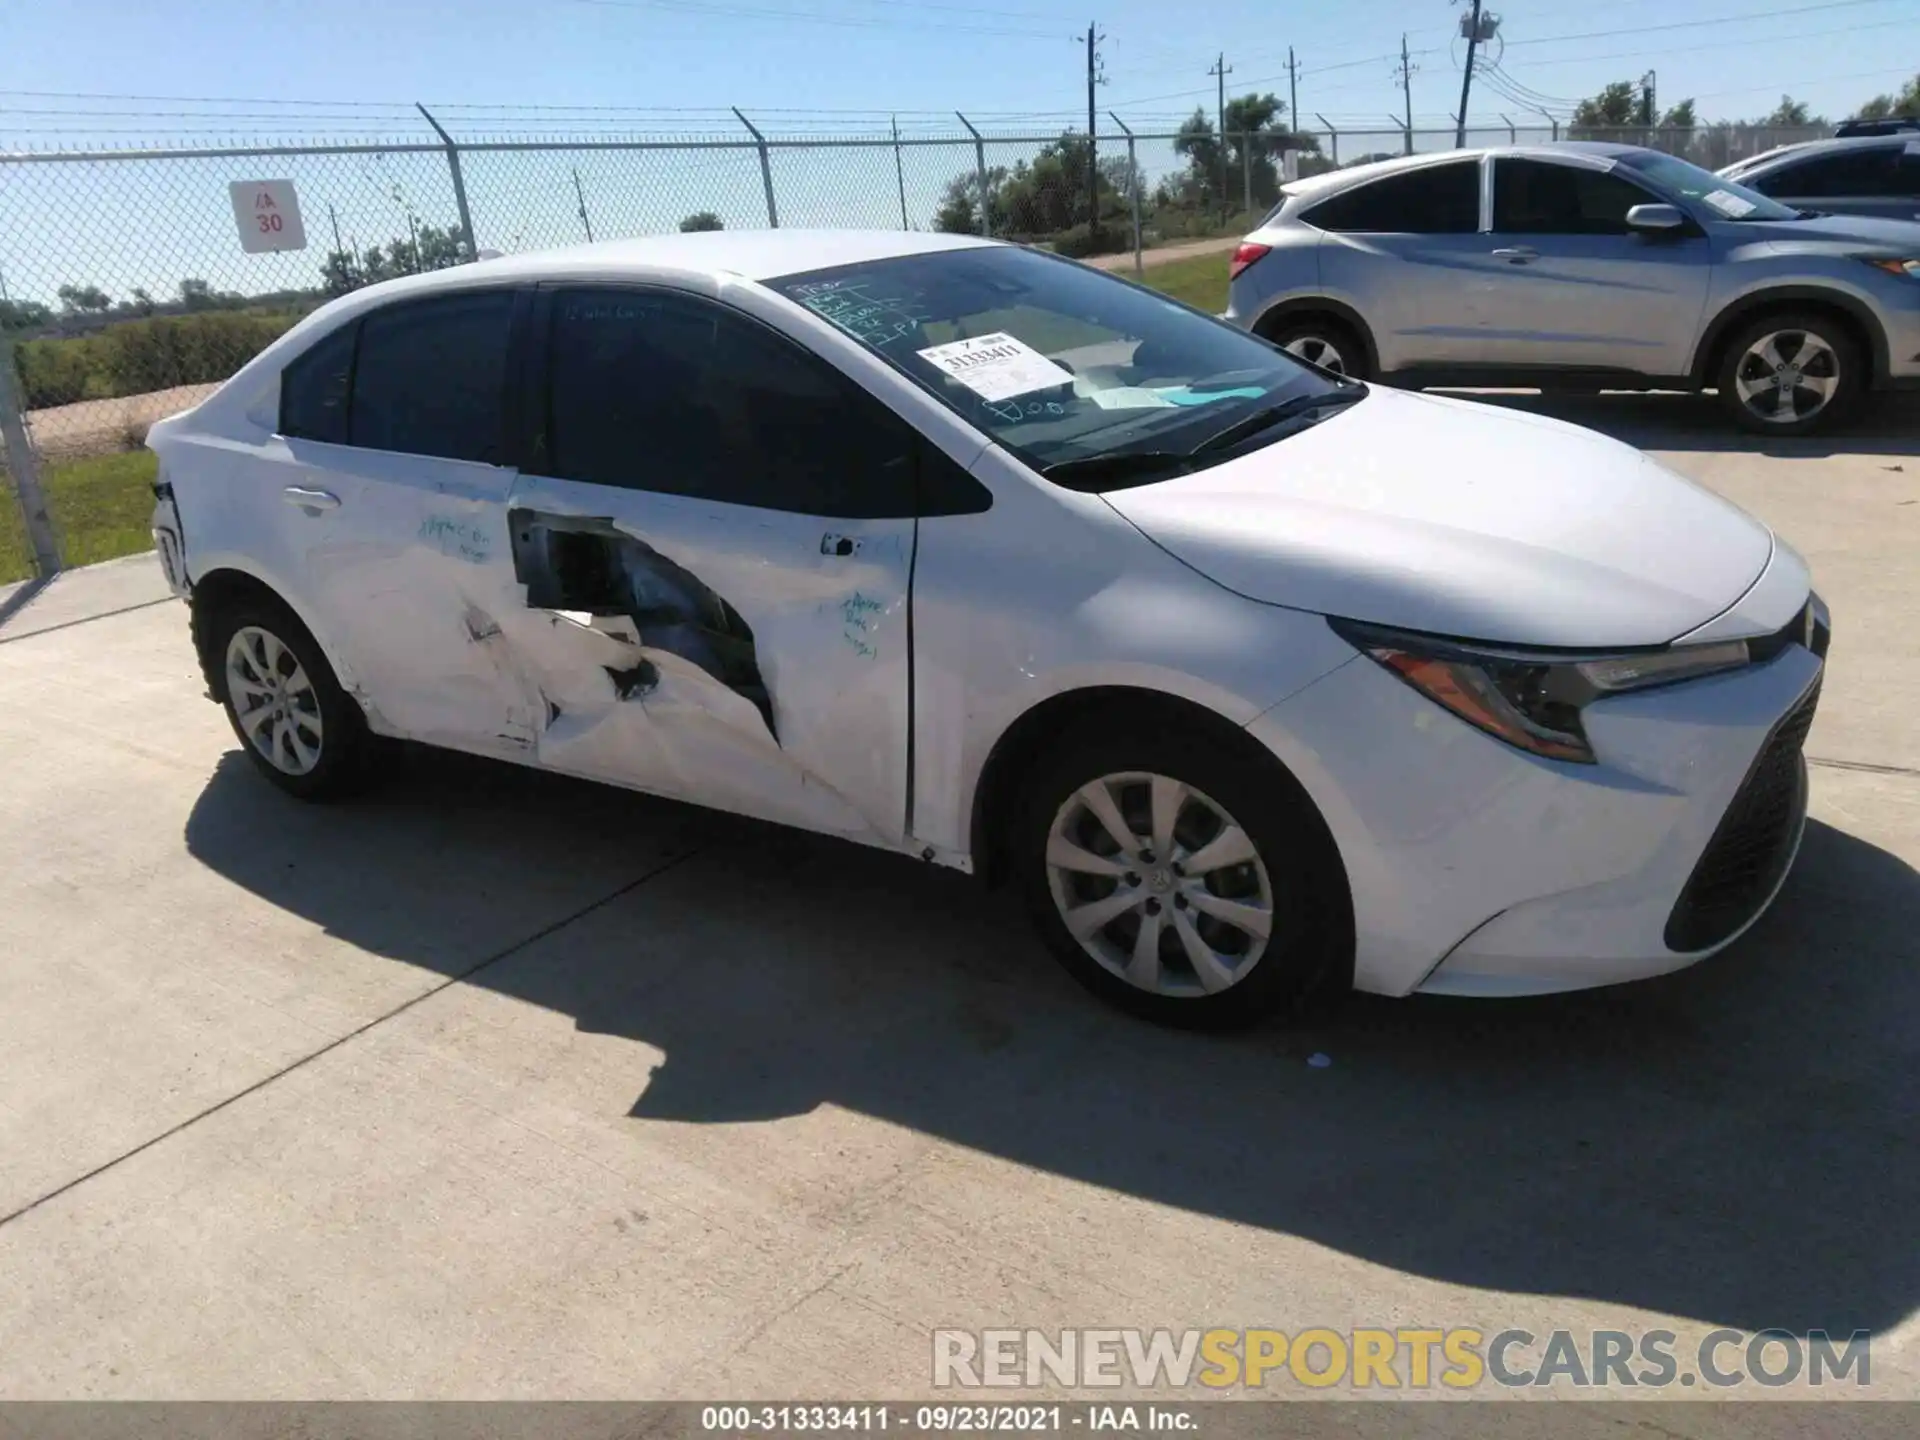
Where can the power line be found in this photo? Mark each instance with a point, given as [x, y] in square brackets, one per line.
[810, 17]
[1748, 17]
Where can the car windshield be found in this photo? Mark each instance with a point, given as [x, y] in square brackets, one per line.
[1726, 197]
[1081, 374]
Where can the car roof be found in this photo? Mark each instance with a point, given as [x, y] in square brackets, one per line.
[747, 254]
[1331, 182]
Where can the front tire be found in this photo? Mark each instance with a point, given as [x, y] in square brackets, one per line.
[298, 727]
[1179, 879]
[1791, 374]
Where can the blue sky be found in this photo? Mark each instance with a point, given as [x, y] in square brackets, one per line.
[1011, 63]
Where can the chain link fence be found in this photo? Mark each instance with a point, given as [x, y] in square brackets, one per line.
[126, 295]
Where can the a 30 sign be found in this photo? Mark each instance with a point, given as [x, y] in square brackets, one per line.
[268, 214]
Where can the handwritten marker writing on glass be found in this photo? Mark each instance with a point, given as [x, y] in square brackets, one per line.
[1319, 1061]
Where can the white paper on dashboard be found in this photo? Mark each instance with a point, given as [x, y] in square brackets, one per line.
[997, 366]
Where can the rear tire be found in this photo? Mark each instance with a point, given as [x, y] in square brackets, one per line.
[1323, 342]
[1244, 910]
[1791, 374]
[297, 726]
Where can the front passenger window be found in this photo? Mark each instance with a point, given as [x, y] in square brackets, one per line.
[653, 391]
[1537, 197]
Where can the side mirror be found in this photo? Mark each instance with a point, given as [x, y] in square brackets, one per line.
[1656, 219]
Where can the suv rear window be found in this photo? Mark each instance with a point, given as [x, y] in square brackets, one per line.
[314, 389]
[1432, 200]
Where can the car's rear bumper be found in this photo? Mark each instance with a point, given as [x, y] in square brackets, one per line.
[1477, 869]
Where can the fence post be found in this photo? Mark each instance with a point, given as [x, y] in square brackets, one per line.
[1544, 115]
[1334, 133]
[766, 167]
[1133, 191]
[1405, 130]
[980, 169]
[1513, 135]
[459, 185]
[900, 174]
[24, 466]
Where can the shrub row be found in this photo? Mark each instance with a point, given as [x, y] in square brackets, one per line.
[141, 355]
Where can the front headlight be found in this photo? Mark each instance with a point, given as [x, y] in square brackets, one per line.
[1531, 699]
[1908, 268]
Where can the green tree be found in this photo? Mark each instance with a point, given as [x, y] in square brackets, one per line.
[427, 247]
[85, 299]
[1904, 101]
[701, 220]
[24, 315]
[1680, 117]
[1614, 108]
[1792, 112]
[1256, 139]
[959, 210]
[142, 302]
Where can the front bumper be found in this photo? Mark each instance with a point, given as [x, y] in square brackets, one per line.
[1478, 869]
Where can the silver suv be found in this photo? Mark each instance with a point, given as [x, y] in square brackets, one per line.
[1585, 266]
[1876, 175]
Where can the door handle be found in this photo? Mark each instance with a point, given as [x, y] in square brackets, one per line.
[312, 501]
[1516, 255]
[840, 545]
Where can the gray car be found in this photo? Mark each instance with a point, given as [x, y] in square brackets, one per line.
[1585, 266]
[1875, 175]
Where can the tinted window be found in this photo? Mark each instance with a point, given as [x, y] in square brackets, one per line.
[1874, 171]
[1433, 200]
[1057, 361]
[313, 390]
[1533, 197]
[662, 392]
[431, 375]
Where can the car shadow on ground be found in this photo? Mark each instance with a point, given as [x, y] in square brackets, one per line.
[1734, 1144]
[1887, 424]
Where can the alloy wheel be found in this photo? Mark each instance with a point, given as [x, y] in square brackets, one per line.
[1787, 376]
[1159, 884]
[1317, 350]
[274, 700]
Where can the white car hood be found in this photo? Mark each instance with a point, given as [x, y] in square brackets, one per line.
[1468, 520]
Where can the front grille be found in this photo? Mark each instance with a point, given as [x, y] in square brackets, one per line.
[1753, 845]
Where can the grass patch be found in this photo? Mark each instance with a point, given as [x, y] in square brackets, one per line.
[102, 508]
[1199, 280]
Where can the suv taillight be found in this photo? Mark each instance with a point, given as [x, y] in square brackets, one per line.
[1245, 256]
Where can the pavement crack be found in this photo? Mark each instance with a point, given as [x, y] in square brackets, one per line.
[458, 979]
[69, 624]
[1866, 766]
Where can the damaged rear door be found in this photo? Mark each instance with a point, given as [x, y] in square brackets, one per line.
[715, 530]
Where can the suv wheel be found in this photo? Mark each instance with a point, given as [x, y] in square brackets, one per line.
[300, 729]
[1178, 882]
[1325, 343]
[1790, 374]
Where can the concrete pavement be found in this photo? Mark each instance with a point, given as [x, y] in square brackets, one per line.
[498, 1085]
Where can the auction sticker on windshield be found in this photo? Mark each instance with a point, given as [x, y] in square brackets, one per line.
[997, 366]
[1729, 205]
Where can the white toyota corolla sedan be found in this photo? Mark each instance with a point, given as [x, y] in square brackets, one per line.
[1252, 678]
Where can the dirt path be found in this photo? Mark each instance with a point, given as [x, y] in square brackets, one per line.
[99, 427]
[1162, 254]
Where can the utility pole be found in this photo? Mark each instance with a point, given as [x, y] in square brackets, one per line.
[581, 196]
[1293, 91]
[1406, 92]
[334, 217]
[1094, 78]
[900, 174]
[1472, 28]
[1220, 71]
[1648, 110]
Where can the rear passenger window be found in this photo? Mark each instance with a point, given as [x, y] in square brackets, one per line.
[681, 396]
[1433, 200]
[314, 388]
[430, 377]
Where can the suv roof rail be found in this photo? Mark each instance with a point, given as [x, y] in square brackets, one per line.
[1885, 125]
